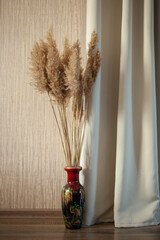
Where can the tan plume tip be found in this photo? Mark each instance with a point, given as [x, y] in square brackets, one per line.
[38, 67]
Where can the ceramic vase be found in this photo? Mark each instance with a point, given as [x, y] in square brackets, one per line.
[73, 197]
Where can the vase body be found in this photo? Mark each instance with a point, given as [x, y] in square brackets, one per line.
[73, 198]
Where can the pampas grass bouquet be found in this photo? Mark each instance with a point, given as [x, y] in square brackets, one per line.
[68, 86]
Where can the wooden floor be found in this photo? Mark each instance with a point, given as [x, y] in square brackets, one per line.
[50, 226]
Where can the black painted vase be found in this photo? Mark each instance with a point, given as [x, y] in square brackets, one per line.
[73, 198]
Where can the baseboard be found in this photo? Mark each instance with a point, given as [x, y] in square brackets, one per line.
[31, 216]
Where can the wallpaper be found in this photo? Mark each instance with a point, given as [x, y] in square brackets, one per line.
[31, 157]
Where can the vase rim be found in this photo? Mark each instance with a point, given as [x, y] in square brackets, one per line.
[73, 168]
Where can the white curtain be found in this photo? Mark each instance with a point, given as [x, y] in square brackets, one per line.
[120, 156]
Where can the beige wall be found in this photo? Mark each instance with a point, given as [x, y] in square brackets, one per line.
[31, 157]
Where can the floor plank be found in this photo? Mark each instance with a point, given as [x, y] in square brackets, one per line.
[48, 224]
[51, 231]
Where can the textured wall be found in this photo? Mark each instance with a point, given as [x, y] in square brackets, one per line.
[31, 157]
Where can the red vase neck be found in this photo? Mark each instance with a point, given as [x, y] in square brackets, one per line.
[73, 174]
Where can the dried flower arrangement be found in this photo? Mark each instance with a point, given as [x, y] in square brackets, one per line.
[67, 84]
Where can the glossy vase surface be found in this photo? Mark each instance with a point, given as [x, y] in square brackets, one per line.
[73, 198]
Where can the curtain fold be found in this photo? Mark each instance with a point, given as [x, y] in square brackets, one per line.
[89, 159]
[121, 165]
[136, 200]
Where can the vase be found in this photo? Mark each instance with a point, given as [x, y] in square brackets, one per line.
[73, 198]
